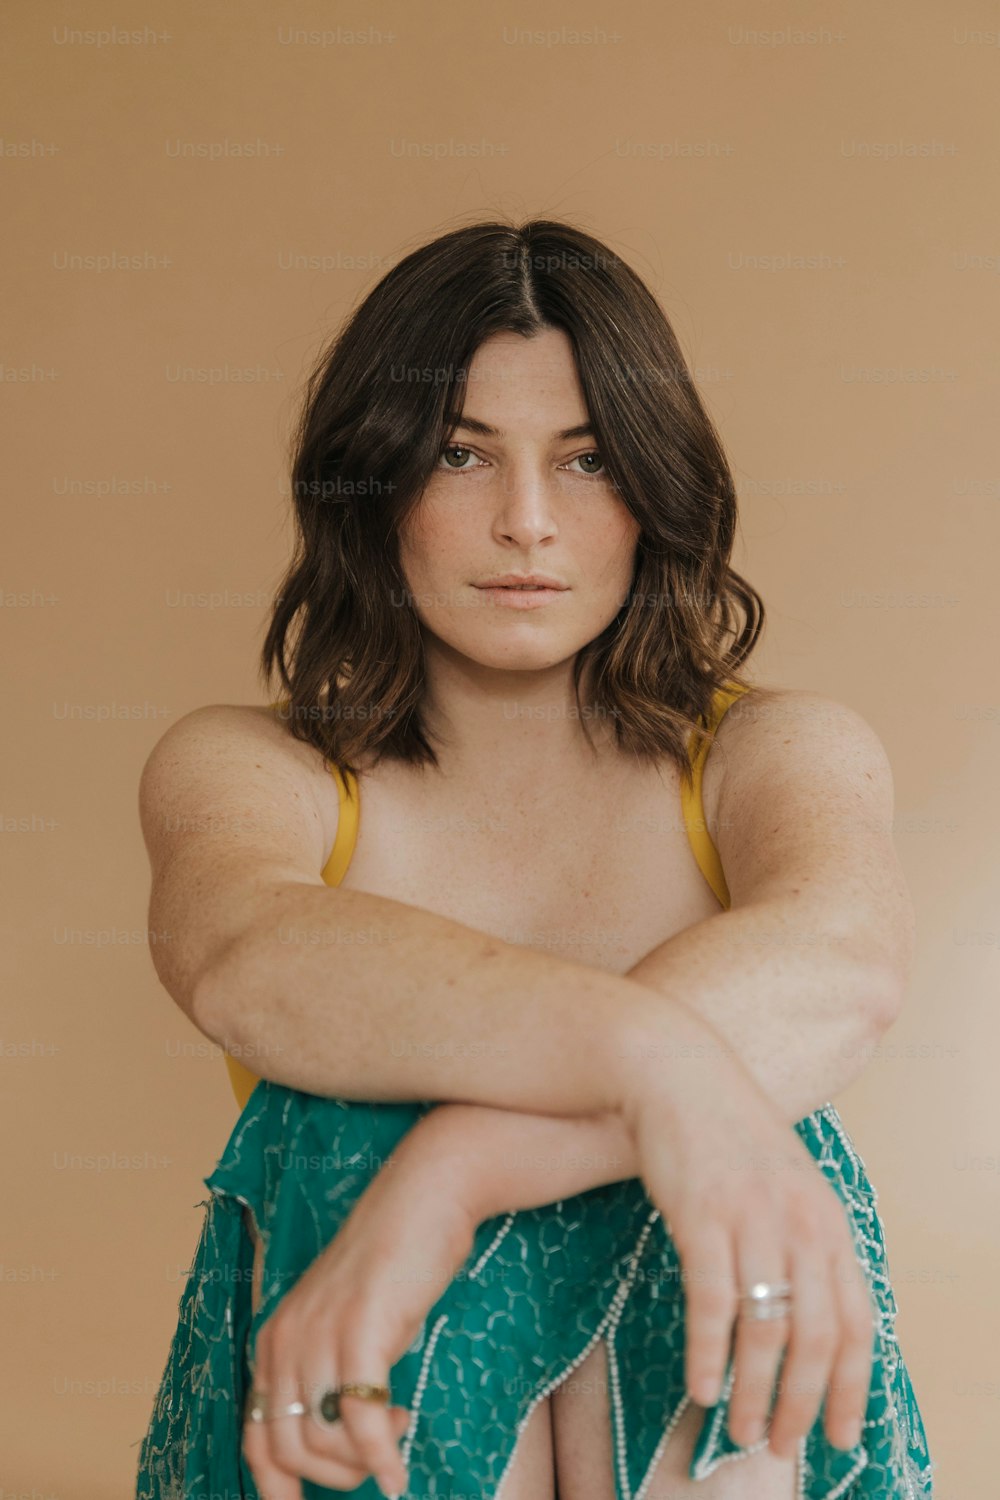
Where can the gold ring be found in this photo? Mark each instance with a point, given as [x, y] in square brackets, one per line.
[326, 1406]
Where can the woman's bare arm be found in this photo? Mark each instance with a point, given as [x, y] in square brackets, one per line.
[502, 1160]
[427, 1008]
[809, 964]
[831, 956]
[347, 994]
[438, 1010]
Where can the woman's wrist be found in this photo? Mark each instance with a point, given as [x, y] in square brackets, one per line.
[668, 1058]
[487, 1161]
[435, 1165]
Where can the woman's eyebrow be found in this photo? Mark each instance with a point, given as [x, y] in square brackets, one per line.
[485, 430]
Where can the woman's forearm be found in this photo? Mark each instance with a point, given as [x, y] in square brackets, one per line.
[805, 1043]
[493, 1161]
[361, 997]
[791, 999]
[357, 996]
[504, 1160]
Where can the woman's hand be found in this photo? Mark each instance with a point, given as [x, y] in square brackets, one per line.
[744, 1201]
[351, 1316]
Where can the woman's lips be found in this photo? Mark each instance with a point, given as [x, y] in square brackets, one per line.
[520, 598]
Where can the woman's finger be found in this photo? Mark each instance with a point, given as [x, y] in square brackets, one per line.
[275, 1446]
[367, 1422]
[333, 1440]
[304, 1359]
[710, 1306]
[813, 1334]
[320, 1356]
[847, 1400]
[759, 1342]
[291, 1456]
[273, 1482]
[273, 1452]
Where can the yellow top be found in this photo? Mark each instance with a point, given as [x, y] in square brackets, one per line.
[705, 852]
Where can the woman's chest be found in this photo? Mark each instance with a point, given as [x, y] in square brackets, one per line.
[597, 872]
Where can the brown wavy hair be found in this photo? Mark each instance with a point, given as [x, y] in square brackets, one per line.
[382, 400]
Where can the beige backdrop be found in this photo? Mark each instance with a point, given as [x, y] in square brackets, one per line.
[811, 192]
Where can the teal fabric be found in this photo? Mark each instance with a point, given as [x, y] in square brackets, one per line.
[539, 1288]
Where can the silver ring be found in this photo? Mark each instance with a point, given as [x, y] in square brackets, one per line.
[766, 1300]
[259, 1410]
[765, 1291]
[766, 1311]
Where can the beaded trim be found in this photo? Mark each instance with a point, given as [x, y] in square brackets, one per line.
[420, 1387]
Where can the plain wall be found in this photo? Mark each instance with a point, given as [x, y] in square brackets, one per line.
[811, 194]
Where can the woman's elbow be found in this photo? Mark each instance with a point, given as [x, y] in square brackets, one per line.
[884, 997]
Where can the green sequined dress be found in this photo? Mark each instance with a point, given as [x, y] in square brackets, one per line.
[538, 1290]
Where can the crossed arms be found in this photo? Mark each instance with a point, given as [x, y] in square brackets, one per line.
[797, 978]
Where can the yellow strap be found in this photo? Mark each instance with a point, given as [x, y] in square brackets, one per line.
[704, 850]
[347, 826]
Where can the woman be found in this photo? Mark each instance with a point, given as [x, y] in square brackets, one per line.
[504, 1218]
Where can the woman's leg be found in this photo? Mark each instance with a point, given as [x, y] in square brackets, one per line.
[581, 1431]
[581, 1425]
[532, 1474]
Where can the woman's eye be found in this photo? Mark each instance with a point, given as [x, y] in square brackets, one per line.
[585, 457]
[459, 449]
[456, 448]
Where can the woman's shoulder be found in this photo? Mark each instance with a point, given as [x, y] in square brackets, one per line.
[770, 732]
[247, 725]
[784, 708]
[247, 747]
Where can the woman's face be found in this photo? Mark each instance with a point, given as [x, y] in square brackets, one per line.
[519, 500]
